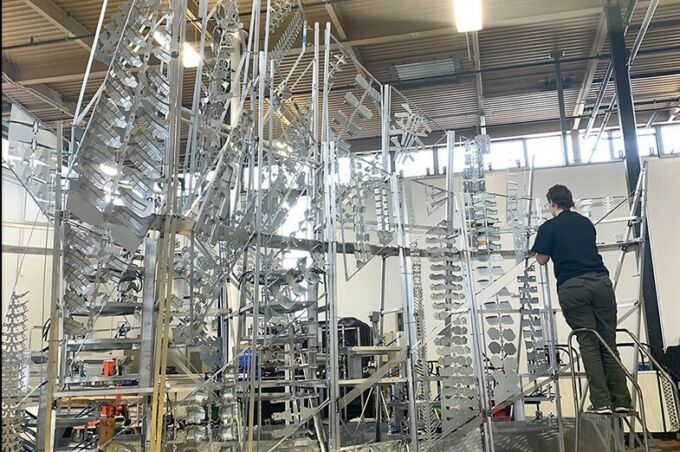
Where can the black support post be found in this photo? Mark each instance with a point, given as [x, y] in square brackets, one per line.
[626, 110]
[619, 55]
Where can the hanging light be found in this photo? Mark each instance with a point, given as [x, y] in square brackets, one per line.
[468, 15]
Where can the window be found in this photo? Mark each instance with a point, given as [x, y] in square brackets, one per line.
[601, 153]
[647, 142]
[645, 138]
[670, 136]
[458, 159]
[545, 151]
[415, 163]
[505, 154]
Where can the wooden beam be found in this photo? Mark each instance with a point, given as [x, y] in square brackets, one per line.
[61, 19]
[342, 34]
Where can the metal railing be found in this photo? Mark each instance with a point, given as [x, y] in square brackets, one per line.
[578, 404]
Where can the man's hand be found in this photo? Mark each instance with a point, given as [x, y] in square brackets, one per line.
[542, 258]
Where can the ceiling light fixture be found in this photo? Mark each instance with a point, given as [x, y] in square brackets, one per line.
[468, 15]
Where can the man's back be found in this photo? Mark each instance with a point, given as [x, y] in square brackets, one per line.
[569, 240]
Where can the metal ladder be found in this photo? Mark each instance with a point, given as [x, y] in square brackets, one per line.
[628, 418]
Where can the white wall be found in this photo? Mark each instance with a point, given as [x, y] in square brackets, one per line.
[25, 273]
[662, 217]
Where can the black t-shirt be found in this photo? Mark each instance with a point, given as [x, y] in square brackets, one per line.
[569, 240]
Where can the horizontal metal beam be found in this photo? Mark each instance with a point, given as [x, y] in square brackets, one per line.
[31, 250]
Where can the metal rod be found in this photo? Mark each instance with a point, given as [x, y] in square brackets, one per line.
[165, 268]
[631, 58]
[554, 364]
[408, 308]
[254, 362]
[609, 71]
[190, 153]
[90, 59]
[635, 384]
[477, 355]
[46, 424]
[563, 115]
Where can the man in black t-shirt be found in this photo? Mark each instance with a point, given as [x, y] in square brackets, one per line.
[586, 296]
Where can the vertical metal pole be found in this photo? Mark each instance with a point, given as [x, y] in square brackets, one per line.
[385, 108]
[315, 87]
[254, 362]
[190, 153]
[576, 146]
[314, 337]
[450, 201]
[633, 168]
[477, 354]
[147, 332]
[167, 241]
[331, 292]
[46, 425]
[235, 63]
[554, 365]
[377, 342]
[401, 222]
[658, 139]
[334, 441]
[560, 99]
[619, 55]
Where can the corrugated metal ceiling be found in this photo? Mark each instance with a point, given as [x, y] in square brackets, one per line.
[517, 32]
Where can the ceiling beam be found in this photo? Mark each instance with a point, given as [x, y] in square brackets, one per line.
[44, 94]
[61, 19]
[342, 34]
[586, 85]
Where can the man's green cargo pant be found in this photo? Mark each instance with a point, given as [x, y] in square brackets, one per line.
[588, 301]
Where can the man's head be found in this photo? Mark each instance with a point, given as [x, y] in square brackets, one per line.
[559, 199]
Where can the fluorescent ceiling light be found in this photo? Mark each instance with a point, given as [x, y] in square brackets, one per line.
[422, 69]
[468, 14]
[190, 57]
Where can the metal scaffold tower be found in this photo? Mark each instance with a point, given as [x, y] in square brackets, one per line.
[199, 253]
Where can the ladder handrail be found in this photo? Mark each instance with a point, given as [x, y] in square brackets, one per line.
[659, 368]
[643, 418]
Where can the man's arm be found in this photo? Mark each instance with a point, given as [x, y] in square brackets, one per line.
[543, 244]
[542, 259]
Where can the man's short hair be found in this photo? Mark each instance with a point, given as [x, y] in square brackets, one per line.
[561, 196]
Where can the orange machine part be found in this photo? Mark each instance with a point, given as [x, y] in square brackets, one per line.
[109, 367]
